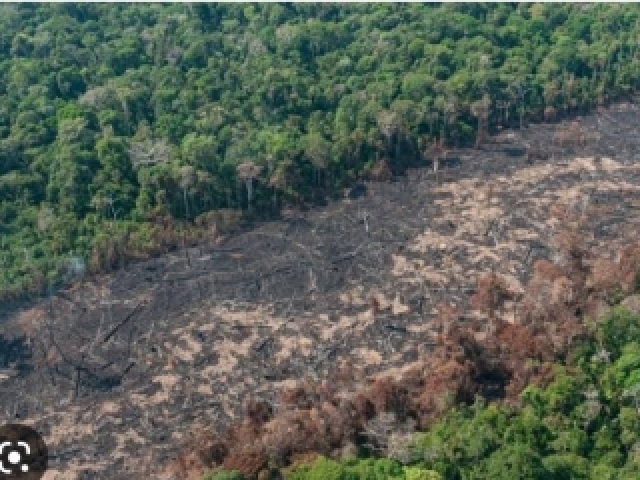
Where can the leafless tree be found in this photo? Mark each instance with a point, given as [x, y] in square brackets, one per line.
[149, 152]
[549, 113]
[96, 97]
[388, 125]
[481, 109]
[503, 106]
[365, 218]
[450, 115]
[436, 151]
[518, 93]
[248, 171]
[317, 149]
[388, 436]
[187, 177]
[277, 180]
[433, 117]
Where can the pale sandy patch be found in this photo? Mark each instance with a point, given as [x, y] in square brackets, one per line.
[513, 284]
[52, 474]
[343, 323]
[420, 327]
[109, 408]
[157, 398]
[188, 353]
[256, 316]
[30, 321]
[398, 372]
[69, 428]
[204, 389]
[480, 336]
[369, 356]
[168, 383]
[353, 296]
[608, 164]
[407, 269]
[484, 253]
[397, 307]
[481, 212]
[429, 240]
[522, 234]
[74, 468]
[227, 352]
[363, 320]
[123, 447]
[293, 346]
[289, 383]
[509, 314]
[349, 322]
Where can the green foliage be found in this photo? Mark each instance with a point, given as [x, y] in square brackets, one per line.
[584, 425]
[102, 105]
[417, 473]
[358, 469]
[514, 461]
[224, 476]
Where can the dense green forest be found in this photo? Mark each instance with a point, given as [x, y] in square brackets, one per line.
[128, 129]
[584, 425]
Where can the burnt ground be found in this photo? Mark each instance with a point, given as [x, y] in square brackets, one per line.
[120, 370]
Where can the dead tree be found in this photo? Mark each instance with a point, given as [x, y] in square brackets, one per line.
[83, 360]
[187, 177]
[450, 117]
[149, 152]
[518, 94]
[388, 436]
[436, 151]
[388, 126]
[481, 110]
[549, 114]
[248, 171]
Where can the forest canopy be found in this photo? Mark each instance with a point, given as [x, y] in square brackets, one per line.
[120, 121]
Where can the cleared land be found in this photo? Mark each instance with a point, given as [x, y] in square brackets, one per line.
[118, 371]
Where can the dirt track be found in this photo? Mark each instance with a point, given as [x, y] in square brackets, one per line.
[120, 370]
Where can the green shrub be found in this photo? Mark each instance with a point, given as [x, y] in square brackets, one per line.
[224, 476]
[320, 469]
[358, 469]
[417, 473]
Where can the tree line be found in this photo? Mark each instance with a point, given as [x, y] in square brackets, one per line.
[127, 130]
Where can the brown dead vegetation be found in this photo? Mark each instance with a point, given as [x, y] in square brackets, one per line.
[572, 135]
[325, 417]
[380, 172]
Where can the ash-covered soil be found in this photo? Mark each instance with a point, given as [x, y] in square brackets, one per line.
[118, 372]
